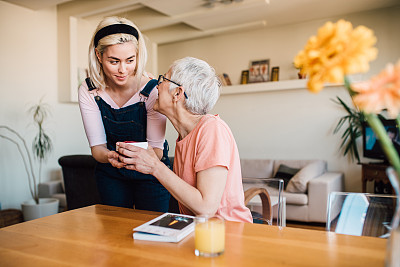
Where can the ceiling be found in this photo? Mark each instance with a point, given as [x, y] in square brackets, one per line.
[166, 21]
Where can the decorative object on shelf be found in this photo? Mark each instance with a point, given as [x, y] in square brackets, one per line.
[244, 78]
[259, 71]
[354, 120]
[300, 74]
[339, 50]
[275, 74]
[222, 79]
[225, 80]
[41, 147]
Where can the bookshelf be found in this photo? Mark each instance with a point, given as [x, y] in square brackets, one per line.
[268, 87]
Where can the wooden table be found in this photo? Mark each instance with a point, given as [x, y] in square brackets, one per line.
[102, 236]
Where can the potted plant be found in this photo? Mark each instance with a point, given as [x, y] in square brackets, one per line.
[41, 148]
[354, 120]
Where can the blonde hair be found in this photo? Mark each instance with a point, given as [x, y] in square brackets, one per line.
[96, 73]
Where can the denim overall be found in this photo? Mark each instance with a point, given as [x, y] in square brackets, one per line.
[122, 187]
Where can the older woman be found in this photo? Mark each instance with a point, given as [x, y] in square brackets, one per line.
[207, 177]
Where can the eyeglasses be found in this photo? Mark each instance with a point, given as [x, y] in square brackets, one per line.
[161, 78]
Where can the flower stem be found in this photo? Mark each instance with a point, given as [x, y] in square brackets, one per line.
[347, 85]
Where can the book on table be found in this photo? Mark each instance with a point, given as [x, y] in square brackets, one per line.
[168, 227]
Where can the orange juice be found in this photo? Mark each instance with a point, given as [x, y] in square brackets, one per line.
[209, 236]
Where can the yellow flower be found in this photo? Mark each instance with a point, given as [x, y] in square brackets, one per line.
[380, 92]
[337, 50]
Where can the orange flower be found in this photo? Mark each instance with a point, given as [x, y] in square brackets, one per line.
[380, 92]
[336, 51]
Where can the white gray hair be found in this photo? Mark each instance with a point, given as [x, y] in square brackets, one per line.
[199, 81]
[95, 71]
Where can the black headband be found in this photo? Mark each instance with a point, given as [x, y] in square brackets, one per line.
[113, 29]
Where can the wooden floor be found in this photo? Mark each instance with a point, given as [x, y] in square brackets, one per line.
[306, 225]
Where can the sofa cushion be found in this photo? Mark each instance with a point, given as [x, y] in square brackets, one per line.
[257, 168]
[298, 184]
[48, 189]
[291, 198]
[286, 173]
[298, 164]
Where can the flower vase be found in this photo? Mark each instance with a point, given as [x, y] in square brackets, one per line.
[393, 244]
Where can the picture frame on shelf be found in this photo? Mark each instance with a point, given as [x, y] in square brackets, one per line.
[225, 80]
[221, 79]
[259, 71]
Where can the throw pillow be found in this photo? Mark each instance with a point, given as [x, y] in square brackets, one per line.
[286, 173]
[298, 184]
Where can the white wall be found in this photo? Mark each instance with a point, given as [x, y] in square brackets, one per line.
[292, 124]
[28, 71]
[285, 124]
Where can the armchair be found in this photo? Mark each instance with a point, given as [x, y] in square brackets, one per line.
[79, 180]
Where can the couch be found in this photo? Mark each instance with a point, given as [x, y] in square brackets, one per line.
[306, 191]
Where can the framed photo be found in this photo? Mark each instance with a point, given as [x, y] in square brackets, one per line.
[259, 71]
[225, 80]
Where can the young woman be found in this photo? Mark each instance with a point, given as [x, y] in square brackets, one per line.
[116, 105]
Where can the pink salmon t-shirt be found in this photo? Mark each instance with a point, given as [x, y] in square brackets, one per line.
[210, 144]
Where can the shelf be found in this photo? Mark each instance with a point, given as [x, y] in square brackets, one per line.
[268, 87]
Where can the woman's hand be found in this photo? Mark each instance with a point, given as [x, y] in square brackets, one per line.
[138, 159]
[113, 158]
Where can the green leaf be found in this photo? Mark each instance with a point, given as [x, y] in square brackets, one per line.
[352, 124]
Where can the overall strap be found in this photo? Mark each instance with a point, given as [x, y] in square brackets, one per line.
[149, 87]
[90, 84]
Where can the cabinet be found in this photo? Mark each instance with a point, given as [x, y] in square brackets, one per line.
[377, 173]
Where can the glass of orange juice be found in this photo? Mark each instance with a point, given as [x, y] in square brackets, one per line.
[209, 235]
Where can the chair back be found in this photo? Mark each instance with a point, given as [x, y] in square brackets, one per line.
[360, 214]
[263, 196]
[79, 180]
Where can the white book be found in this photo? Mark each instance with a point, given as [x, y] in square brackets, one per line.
[169, 227]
